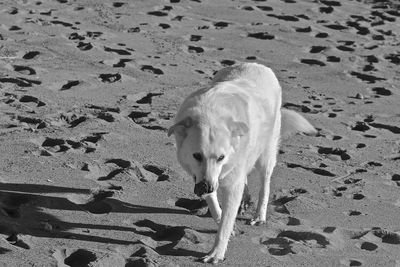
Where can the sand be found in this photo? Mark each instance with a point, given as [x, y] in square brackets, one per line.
[89, 88]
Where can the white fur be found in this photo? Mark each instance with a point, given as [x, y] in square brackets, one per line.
[238, 116]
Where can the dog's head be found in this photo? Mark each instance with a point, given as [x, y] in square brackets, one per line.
[205, 150]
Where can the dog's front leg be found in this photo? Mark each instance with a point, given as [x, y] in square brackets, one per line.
[232, 195]
[213, 205]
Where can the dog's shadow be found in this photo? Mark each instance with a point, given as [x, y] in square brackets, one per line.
[23, 212]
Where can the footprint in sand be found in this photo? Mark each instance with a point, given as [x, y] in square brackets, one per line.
[20, 81]
[283, 197]
[221, 25]
[63, 23]
[351, 262]
[300, 108]
[342, 153]
[295, 242]
[164, 26]
[317, 171]
[354, 213]
[71, 119]
[369, 122]
[24, 70]
[317, 49]
[31, 99]
[322, 35]
[361, 145]
[261, 35]
[110, 77]
[149, 120]
[120, 52]
[158, 13]
[160, 172]
[292, 221]
[195, 38]
[49, 145]
[333, 59]
[382, 91]
[326, 10]
[338, 191]
[69, 85]
[336, 27]
[345, 48]
[265, 8]
[358, 196]
[368, 246]
[30, 55]
[36, 123]
[305, 29]
[284, 17]
[120, 169]
[391, 128]
[145, 98]
[14, 28]
[76, 36]
[247, 8]
[360, 126]
[122, 63]
[396, 179]
[118, 4]
[151, 69]
[195, 49]
[393, 58]
[227, 62]
[84, 46]
[312, 62]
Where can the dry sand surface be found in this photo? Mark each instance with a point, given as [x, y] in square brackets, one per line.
[89, 88]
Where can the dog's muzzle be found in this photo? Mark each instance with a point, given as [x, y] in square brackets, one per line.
[203, 188]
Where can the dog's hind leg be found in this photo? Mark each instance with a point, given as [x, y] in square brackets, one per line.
[265, 166]
[246, 199]
[213, 206]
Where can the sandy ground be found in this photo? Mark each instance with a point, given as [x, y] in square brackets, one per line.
[88, 89]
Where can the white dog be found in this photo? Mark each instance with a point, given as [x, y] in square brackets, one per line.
[223, 131]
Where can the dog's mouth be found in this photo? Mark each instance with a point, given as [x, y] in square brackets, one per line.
[202, 188]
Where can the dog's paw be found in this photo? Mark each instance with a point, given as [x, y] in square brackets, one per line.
[213, 257]
[257, 221]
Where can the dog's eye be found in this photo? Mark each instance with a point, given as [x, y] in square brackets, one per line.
[197, 157]
[220, 158]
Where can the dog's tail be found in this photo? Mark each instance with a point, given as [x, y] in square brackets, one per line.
[293, 122]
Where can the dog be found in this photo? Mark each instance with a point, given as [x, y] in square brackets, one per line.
[225, 130]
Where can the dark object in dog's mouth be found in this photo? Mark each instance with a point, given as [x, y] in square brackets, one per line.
[202, 188]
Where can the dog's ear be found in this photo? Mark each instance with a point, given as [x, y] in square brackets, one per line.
[237, 128]
[180, 127]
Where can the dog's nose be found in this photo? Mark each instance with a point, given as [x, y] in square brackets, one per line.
[203, 188]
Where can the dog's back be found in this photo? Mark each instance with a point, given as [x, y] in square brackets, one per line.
[247, 85]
